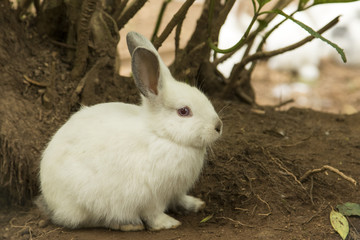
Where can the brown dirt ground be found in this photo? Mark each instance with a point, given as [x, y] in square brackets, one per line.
[250, 182]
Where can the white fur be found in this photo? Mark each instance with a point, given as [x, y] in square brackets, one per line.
[119, 165]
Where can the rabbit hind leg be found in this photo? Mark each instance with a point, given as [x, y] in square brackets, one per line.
[126, 227]
[71, 218]
[132, 227]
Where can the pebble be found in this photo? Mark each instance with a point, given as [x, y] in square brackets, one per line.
[63, 77]
[42, 223]
[37, 72]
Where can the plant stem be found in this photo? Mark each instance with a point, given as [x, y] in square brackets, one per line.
[87, 9]
[178, 17]
[241, 42]
[264, 55]
[127, 14]
[159, 19]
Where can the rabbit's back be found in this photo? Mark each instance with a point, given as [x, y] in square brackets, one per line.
[94, 129]
[91, 156]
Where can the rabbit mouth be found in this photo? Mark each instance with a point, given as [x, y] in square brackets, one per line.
[208, 141]
[198, 142]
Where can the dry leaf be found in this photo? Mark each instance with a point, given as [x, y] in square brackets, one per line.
[339, 223]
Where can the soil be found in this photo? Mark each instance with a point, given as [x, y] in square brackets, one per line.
[252, 180]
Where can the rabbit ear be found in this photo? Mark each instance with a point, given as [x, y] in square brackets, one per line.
[146, 70]
[134, 40]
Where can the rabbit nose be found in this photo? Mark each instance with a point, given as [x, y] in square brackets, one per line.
[218, 126]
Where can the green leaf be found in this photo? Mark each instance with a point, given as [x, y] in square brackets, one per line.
[302, 4]
[262, 2]
[339, 223]
[349, 209]
[316, 2]
[207, 218]
[263, 23]
[314, 33]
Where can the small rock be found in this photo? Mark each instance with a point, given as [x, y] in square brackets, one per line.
[37, 72]
[63, 77]
[43, 223]
[6, 235]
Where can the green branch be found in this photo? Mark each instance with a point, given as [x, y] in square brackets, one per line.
[311, 31]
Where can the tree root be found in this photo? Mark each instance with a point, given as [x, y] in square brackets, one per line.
[330, 168]
[237, 222]
[87, 9]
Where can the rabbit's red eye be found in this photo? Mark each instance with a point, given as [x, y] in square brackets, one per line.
[184, 112]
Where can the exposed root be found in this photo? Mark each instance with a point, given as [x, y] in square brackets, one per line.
[330, 168]
[311, 190]
[281, 104]
[317, 214]
[25, 229]
[34, 82]
[283, 168]
[237, 222]
[268, 206]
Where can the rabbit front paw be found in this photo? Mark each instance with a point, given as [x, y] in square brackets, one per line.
[191, 204]
[162, 221]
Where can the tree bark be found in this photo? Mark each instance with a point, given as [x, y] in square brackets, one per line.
[87, 9]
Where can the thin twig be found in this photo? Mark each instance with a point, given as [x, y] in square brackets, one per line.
[159, 19]
[264, 55]
[311, 190]
[224, 12]
[282, 167]
[283, 103]
[61, 44]
[251, 37]
[242, 95]
[178, 17]
[242, 209]
[128, 13]
[197, 48]
[353, 226]
[268, 206]
[316, 215]
[237, 222]
[34, 82]
[120, 9]
[330, 168]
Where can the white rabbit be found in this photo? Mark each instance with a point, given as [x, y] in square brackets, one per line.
[120, 166]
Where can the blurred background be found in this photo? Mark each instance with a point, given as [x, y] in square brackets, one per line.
[313, 76]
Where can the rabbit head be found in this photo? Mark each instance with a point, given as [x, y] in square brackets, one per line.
[173, 110]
